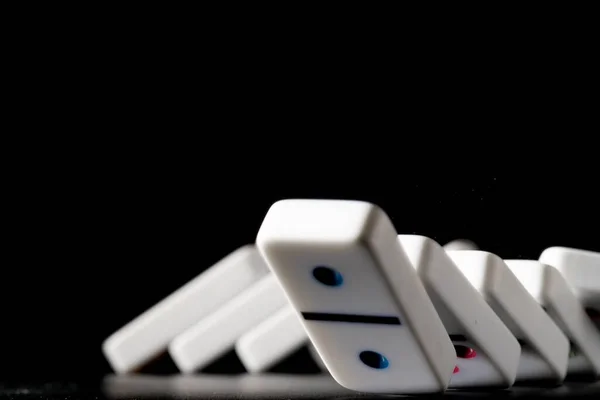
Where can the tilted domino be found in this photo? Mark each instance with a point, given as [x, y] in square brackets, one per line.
[550, 289]
[460, 244]
[544, 348]
[147, 336]
[216, 334]
[273, 340]
[317, 357]
[581, 270]
[361, 301]
[487, 352]
[282, 334]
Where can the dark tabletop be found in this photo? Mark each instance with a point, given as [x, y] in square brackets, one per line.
[275, 386]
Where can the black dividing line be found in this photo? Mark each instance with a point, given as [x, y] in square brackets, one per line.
[358, 319]
[458, 338]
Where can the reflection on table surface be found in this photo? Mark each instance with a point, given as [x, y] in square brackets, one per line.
[268, 386]
[211, 386]
[299, 386]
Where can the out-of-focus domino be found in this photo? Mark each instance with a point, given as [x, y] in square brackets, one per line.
[581, 270]
[361, 301]
[272, 341]
[460, 244]
[487, 352]
[148, 336]
[544, 348]
[550, 289]
[216, 334]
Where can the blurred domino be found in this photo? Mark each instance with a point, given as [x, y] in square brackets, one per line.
[361, 301]
[216, 334]
[148, 335]
[460, 244]
[551, 290]
[581, 270]
[488, 353]
[544, 348]
[272, 341]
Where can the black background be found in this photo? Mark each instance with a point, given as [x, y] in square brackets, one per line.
[94, 248]
[141, 162]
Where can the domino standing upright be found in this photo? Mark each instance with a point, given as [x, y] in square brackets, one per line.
[361, 301]
[544, 348]
[148, 336]
[488, 353]
[581, 270]
[551, 290]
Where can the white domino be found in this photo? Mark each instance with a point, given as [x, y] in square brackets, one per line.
[460, 244]
[216, 334]
[361, 301]
[487, 352]
[148, 335]
[545, 349]
[581, 270]
[550, 289]
[272, 341]
[317, 357]
[282, 334]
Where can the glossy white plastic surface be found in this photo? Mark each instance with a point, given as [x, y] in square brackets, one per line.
[469, 320]
[148, 336]
[396, 342]
[216, 334]
[550, 289]
[545, 349]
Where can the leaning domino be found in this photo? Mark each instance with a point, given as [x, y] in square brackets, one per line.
[544, 348]
[282, 334]
[272, 341]
[148, 336]
[488, 353]
[216, 334]
[581, 270]
[317, 357]
[460, 244]
[551, 290]
[361, 301]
